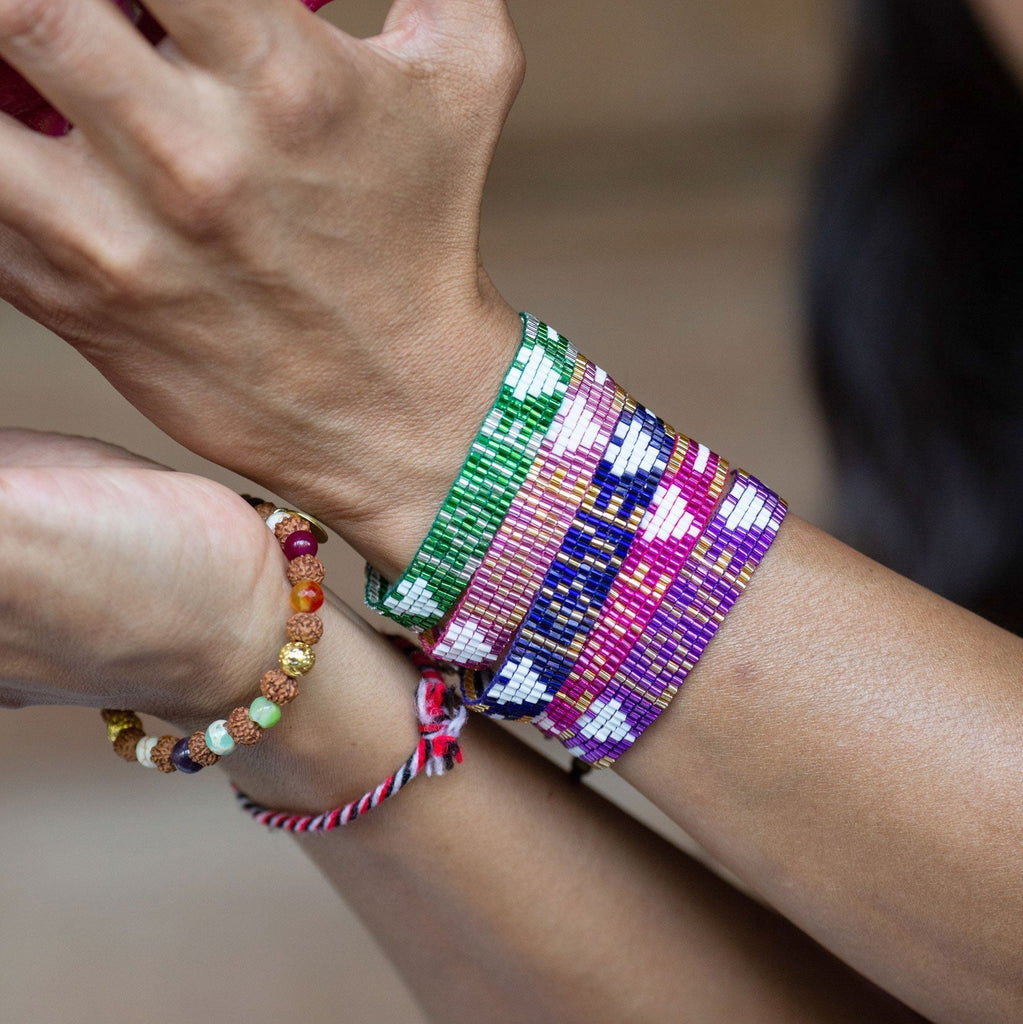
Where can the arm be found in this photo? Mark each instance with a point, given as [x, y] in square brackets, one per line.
[501, 885]
[376, 459]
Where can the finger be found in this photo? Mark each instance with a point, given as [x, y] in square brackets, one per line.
[37, 448]
[225, 35]
[33, 183]
[88, 60]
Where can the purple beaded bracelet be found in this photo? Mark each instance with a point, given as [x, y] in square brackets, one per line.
[677, 517]
[705, 590]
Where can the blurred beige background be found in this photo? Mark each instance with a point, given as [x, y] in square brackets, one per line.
[645, 201]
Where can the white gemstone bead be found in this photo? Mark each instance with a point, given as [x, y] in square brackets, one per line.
[143, 750]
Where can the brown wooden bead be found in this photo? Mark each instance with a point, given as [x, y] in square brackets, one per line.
[265, 509]
[304, 628]
[199, 752]
[242, 729]
[278, 687]
[286, 527]
[161, 755]
[126, 742]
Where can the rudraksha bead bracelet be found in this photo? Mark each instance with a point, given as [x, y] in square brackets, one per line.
[299, 536]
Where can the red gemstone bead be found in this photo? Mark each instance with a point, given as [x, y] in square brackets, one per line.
[301, 542]
[306, 596]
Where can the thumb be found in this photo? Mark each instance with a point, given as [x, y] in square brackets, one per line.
[425, 28]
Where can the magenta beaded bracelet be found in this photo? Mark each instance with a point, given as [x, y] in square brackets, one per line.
[715, 574]
[675, 520]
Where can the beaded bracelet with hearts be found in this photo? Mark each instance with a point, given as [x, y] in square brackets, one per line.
[299, 536]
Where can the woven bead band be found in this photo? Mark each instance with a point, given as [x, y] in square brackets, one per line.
[497, 464]
[244, 726]
[480, 627]
[441, 718]
[576, 585]
[675, 520]
[710, 582]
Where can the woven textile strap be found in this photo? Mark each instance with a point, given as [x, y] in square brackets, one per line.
[497, 463]
[713, 577]
[480, 627]
[575, 587]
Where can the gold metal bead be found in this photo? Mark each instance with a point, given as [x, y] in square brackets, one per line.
[117, 721]
[296, 659]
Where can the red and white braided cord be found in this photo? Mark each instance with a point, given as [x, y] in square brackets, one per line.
[441, 718]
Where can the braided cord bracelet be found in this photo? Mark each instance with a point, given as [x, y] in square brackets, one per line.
[716, 573]
[245, 726]
[576, 585]
[497, 463]
[441, 718]
[481, 625]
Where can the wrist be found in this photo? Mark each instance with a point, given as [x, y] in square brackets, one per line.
[392, 460]
[352, 723]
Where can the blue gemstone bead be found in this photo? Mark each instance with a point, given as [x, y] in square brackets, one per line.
[181, 759]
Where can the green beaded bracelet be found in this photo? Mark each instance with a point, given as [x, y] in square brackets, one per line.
[494, 469]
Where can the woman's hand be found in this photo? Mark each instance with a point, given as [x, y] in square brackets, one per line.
[126, 585]
[264, 233]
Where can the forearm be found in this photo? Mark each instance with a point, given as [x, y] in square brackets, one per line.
[505, 886]
[850, 746]
[860, 736]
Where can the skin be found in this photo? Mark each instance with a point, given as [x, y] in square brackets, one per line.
[466, 859]
[850, 745]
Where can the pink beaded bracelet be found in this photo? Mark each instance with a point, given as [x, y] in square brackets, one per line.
[483, 622]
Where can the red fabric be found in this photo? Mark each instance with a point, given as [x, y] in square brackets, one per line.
[20, 100]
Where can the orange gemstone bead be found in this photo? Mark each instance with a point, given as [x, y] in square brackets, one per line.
[306, 596]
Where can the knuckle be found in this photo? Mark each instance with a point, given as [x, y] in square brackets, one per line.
[28, 24]
[198, 187]
[295, 99]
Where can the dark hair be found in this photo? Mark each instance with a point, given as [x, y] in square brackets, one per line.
[915, 302]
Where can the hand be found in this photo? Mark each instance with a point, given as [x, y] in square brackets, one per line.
[125, 585]
[264, 233]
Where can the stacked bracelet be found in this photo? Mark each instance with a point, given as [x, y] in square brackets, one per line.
[244, 726]
[584, 590]
[575, 586]
[498, 462]
[674, 522]
[482, 624]
[702, 594]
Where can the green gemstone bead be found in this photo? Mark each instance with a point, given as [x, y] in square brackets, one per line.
[218, 739]
[264, 712]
